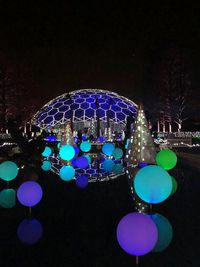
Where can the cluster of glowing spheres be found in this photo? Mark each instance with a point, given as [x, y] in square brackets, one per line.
[7, 198]
[165, 232]
[82, 162]
[174, 185]
[46, 165]
[108, 165]
[137, 234]
[8, 170]
[67, 152]
[167, 159]
[117, 153]
[153, 184]
[85, 146]
[82, 181]
[67, 173]
[108, 149]
[29, 193]
[47, 151]
[29, 231]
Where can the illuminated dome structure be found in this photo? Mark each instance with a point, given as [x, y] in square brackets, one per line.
[86, 108]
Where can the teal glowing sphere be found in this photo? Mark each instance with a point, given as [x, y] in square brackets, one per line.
[165, 232]
[67, 173]
[118, 168]
[167, 159]
[85, 146]
[47, 152]
[88, 158]
[117, 153]
[108, 165]
[108, 149]
[46, 165]
[153, 184]
[7, 198]
[67, 152]
[174, 185]
[58, 145]
[8, 170]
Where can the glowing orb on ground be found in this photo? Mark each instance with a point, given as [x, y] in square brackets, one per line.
[108, 165]
[47, 151]
[167, 159]
[67, 152]
[67, 173]
[7, 198]
[153, 184]
[117, 153]
[85, 146]
[165, 232]
[108, 149]
[8, 170]
[137, 234]
[46, 165]
[82, 181]
[29, 231]
[29, 193]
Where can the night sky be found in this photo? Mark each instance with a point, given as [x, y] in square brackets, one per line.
[64, 45]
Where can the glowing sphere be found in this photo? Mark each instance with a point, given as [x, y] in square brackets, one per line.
[88, 158]
[137, 234]
[74, 162]
[101, 139]
[167, 159]
[108, 165]
[165, 232]
[47, 152]
[117, 153]
[67, 173]
[118, 168]
[7, 198]
[46, 165]
[153, 184]
[108, 149]
[142, 164]
[82, 162]
[82, 181]
[29, 193]
[77, 150]
[8, 170]
[85, 146]
[174, 185]
[67, 152]
[29, 231]
[58, 145]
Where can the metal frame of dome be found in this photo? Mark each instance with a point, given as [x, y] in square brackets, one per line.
[83, 105]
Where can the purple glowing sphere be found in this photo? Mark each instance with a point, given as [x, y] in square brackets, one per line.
[29, 193]
[137, 234]
[82, 162]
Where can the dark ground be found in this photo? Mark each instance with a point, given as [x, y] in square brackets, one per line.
[80, 225]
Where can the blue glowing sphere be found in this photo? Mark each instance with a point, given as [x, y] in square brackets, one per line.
[117, 153]
[108, 165]
[82, 181]
[142, 164]
[165, 232]
[67, 173]
[7, 198]
[84, 137]
[108, 149]
[101, 139]
[82, 162]
[29, 193]
[8, 170]
[118, 168]
[88, 158]
[29, 231]
[47, 152]
[46, 165]
[77, 150]
[67, 152]
[137, 234]
[74, 162]
[153, 184]
[85, 146]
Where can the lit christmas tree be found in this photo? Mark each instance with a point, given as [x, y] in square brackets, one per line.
[141, 148]
[67, 137]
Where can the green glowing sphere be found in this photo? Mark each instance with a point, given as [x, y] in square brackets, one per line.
[7, 198]
[166, 159]
[8, 170]
[174, 185]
